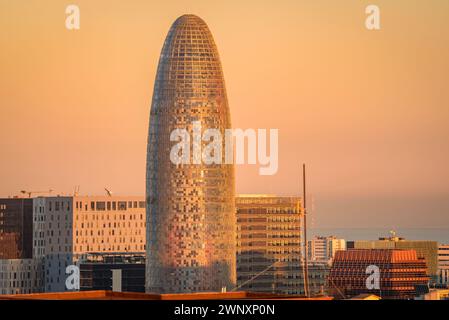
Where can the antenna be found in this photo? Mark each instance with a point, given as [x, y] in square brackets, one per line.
[306, 253]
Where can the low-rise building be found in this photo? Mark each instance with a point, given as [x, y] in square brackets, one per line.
[97, 272]
[399, 273]
[426, 249]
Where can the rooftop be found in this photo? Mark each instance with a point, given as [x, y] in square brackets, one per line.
[110, 295]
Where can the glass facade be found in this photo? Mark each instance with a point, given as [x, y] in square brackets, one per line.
[16, 228]
[269, 247]
[96, 271]
[190, 207]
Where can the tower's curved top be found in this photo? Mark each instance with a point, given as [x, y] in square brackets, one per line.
[190, 22]
[190, 19]
[189, 62]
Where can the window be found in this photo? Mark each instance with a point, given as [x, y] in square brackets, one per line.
[101, 205]
[122, 205]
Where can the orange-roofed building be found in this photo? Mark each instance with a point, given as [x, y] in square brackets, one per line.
[400, 271]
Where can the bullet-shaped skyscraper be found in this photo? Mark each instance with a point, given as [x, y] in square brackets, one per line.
[190, 207]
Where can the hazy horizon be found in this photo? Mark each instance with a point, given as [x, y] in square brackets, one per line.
[367, 111]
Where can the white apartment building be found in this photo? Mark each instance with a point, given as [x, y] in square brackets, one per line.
[322, 249]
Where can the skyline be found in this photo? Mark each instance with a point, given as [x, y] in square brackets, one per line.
[361, 160]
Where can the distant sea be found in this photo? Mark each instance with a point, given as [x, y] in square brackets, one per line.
[436, 234]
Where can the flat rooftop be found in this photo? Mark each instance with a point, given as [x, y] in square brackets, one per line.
[110, 295]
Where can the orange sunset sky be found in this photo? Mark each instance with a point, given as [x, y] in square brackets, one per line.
[368, 111]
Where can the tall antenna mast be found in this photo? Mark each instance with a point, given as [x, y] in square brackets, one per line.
[306, 253]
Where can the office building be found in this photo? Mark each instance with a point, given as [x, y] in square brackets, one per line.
[68, 227]
[19, 271]
[269, 244]
[190, 204]
[16, 228]
[41, 237]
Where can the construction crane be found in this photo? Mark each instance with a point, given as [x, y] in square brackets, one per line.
[109, 192]
[29, 193]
